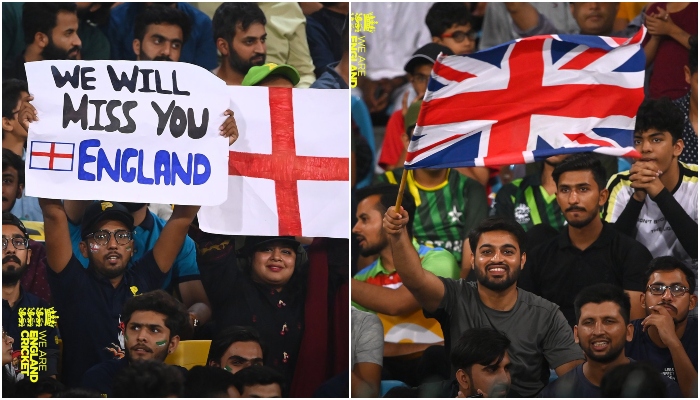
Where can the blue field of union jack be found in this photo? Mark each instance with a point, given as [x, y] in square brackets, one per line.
[529, 99]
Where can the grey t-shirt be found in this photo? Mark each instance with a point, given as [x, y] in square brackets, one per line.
[367, 338]
[540, 336]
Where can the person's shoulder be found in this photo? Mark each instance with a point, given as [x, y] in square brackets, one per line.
[566, 385]
[363, 318]
[689, 172]
[367, 272]
[107, 367]
[536, 303]
[193, 11]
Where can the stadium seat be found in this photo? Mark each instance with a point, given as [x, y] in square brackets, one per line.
[190, 353]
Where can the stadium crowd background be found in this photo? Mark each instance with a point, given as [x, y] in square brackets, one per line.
[571, 277]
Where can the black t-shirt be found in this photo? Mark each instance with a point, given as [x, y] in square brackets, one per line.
[557, 271]
[101, 377]
[32, 317]
[238, 301]
[90, 312]
[641, 348]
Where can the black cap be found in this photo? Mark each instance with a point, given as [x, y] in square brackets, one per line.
[105, 211]
[426, 55]
[9, 219]
[254, 242]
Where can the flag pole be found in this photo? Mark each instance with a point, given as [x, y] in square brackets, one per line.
[402, 186]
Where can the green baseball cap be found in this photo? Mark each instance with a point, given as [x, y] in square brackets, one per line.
[257, 74]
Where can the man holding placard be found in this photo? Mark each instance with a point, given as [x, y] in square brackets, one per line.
[90, 300]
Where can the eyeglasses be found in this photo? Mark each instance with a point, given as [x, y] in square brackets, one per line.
[102, 237]
[676, 290]
[18, 243]
[459, 36]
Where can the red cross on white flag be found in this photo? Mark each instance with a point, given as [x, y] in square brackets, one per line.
[289, 169]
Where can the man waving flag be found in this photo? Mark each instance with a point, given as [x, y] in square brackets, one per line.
[529, 99]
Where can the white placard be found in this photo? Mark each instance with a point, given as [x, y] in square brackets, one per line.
[133, 131]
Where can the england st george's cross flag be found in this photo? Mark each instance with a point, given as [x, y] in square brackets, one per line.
[530, 99]
[289, 169]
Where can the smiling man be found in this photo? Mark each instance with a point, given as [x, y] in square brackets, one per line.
[657, 199]
[153, 323]
[540, 337]
[239, 32]
[603, 327]
[593, 251]
[668, 337]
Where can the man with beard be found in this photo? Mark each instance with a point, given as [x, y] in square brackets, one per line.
[540, 337]
[668, 338]
[378, 287]
[17, 303]
[588, 250]
[159, 33]
[153, 324]
[51, 33]
[90, 300]
[602, 329]
[239, 32]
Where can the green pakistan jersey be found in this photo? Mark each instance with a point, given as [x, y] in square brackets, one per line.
[527, 202]
[446, 213]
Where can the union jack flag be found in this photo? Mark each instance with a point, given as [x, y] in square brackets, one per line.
[530, 99]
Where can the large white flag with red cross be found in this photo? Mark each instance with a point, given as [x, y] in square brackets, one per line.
[289, 168]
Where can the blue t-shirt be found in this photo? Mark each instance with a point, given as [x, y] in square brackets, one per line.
[575, 384]
[145, 236]
[199, 48]
[90, 312]
[641, 348]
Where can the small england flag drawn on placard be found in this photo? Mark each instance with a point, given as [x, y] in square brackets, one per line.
[52, 156]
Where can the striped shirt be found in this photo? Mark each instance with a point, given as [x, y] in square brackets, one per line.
[445, 213]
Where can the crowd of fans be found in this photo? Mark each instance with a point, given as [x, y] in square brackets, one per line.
[102, 298]
[571, 277]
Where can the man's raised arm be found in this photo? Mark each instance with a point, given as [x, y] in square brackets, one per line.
[172, 237]
[425, 286]
[59, 249]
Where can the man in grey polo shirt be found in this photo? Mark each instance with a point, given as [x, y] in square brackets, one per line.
[541, 337]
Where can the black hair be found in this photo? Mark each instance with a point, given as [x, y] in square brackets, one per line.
[228, 16]
[176, 315]
[491, 224]
[388, 194]
[635, 379]
[479, 346]
[11, 95]
[441, 17]
[693, 54]
[228, 336]
[600, 293]
[41, 17]
[45, 385]
[670, 263]
[205, 382]
[99, 17]
[10, 159]
[148, 379]
[581, 162]
[660, 114]
[258, 375]
[157, 14]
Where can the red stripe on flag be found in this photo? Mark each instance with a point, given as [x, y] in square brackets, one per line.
[282, 124]
[451, 73]
[584, 59]
[413, 154]
[582, 138]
